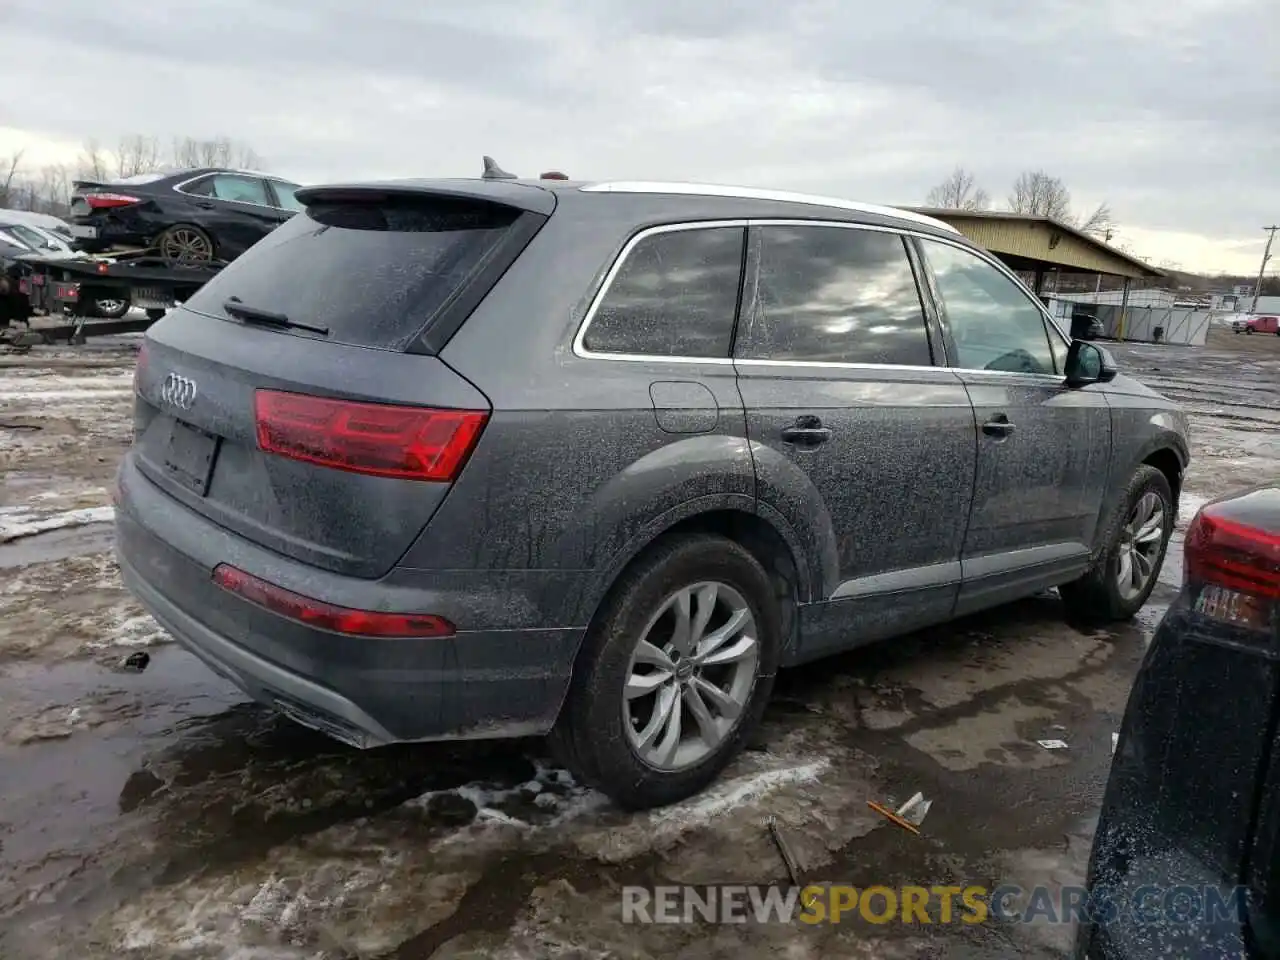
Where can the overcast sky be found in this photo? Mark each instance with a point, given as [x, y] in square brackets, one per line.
[1169, 111]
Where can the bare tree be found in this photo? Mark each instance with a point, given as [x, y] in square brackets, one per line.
[55, 189]
[1100, 223]
[1037, 193]
[9, 177]
[137, 154]
[959, 192]
[94, 163]
[246, 158]
[215, 152]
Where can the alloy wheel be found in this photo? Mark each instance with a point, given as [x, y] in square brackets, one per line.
[186, 245]
[691, 676]
[1141, 539]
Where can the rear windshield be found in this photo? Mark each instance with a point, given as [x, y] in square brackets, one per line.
[374, 273]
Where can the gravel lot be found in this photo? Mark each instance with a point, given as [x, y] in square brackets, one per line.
[157, 814]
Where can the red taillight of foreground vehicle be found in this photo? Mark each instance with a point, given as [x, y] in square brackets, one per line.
[411, 443]
[1232, 554]
[107, 201]
[1236, 568]
[327, 616]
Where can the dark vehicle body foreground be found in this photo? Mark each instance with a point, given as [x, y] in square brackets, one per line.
[450, 459]
[192, 215]
[1193, 802]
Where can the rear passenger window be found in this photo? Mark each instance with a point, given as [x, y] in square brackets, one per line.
[835, 295]
[675, 295]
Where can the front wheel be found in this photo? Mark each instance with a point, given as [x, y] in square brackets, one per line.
[1125, 573]
[674, 674]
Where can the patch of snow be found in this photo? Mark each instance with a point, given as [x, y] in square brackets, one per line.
[722, 798]
[125, 627]
[16, 523]
[1189, 505]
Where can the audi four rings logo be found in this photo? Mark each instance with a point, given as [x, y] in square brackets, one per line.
[178, 391]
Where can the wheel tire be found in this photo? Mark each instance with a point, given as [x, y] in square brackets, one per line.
[155, 313]
[1096, 597]
[110, 309]
[1249, 331]
[589, 736]
[173, 240]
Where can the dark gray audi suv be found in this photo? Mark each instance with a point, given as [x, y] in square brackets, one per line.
[471, 458]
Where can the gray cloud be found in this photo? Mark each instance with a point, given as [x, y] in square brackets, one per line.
[1157, 108]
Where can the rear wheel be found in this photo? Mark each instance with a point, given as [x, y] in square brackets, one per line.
[1124, 575]
[674, 674]
[111, 308]
[183, 243]
[155, 313]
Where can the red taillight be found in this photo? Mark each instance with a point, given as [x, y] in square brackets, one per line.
[412, 443]
[1233, 555]
[326, 616]
[106, 201]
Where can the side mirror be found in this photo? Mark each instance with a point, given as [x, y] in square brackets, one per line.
[1089, 363]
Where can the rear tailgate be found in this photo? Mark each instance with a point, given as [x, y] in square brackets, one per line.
[376, 274]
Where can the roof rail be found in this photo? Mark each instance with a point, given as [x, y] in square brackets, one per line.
[755, 193]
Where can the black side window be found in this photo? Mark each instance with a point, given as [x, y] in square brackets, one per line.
[675, 295]
[201, 188]
[835, 295]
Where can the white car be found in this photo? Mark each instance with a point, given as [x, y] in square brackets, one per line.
[41, 241]
[47, 244]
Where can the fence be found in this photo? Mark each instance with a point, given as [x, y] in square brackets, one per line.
[1189, 327]
[1180, 325]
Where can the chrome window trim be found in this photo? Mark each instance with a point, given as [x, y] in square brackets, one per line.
[579, 341]
[580, 349]
[177, 187]
[755, 193]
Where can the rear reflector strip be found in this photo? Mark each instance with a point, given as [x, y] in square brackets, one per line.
[411, 443]
[326, 616]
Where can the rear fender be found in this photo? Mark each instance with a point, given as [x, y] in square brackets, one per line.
[786, 492]
[662, 488]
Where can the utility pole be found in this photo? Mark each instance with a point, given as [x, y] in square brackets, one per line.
[1266, 255]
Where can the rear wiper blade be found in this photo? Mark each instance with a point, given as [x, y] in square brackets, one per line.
[267, 318]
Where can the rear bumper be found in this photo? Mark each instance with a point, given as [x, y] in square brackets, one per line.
[480, 683]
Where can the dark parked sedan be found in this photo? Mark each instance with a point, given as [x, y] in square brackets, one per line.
[1186, 862]
[190, 216]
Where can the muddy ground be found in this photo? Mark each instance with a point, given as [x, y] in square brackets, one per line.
[157, 814]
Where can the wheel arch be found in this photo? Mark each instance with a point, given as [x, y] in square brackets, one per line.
[1167, 461]
[763, 533]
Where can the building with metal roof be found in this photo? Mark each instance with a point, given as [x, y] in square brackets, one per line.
[1039, 246]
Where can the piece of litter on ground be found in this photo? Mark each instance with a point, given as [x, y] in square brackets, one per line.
[793, 868]
[1115, 740]
[1053, 744]
[909, 816]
